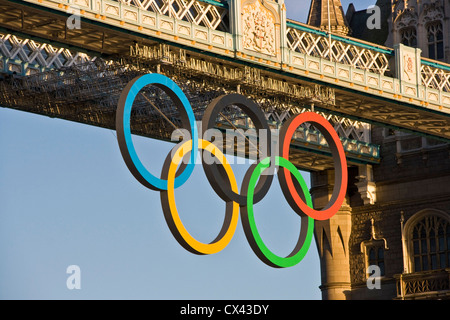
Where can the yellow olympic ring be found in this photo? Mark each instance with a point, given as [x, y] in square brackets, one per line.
[222, 179]
[170, 209]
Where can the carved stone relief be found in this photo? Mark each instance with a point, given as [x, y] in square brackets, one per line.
[409, 67]
[433, 11]
[258, 29]
[406, 17]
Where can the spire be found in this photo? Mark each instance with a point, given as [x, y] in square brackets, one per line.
[318, 16]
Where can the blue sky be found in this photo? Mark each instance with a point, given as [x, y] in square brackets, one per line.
[67, 198]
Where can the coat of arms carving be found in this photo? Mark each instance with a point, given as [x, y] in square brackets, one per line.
[408, 66]
[259, 29]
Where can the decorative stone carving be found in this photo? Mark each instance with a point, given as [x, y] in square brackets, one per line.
[433, 11]
[366, 186]
[258, 29]
[406, 17]
[409, 68]
[373, 238]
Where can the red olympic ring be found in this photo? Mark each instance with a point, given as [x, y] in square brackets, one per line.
[221, 176]
[340, 164]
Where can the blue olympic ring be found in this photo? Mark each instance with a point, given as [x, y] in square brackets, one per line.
[124, 133]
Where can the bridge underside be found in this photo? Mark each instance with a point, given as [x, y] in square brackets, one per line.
[202, 74]
[34, 22]
[93, 100]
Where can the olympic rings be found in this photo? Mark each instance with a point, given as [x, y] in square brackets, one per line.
[170, 209]
[221, 177]
[340, 164]
[251, 231]
[212, 172]
[123, 129]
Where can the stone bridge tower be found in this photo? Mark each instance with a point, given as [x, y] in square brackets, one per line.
[396, 216]
[318, 16]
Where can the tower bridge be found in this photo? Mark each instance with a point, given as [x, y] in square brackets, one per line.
[71, 59]
[393, 87]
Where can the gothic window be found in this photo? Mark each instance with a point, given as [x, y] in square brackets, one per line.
[374, 249]
[435, 41]
[376, 257]
[431, 244]
[409, 36]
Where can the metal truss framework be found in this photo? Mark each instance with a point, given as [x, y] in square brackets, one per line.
[201, 13]
[281, 94]
[318, 45]
[369, 105]
[31, 23]
[365, 56]
[436, 78]
[280, 99]
[27, 57]
[361, 55]
[86, 90]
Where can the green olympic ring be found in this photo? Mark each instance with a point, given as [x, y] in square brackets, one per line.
[221, 177]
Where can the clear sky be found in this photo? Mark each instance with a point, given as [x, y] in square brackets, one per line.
[67, 198]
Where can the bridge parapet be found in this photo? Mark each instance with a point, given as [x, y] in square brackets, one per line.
[26, 57]
[208, 13]
[258, 33]
[344, 50]
[69, 92]
[394, 87]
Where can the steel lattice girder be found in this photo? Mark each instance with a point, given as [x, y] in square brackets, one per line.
[102, 39]
[89, 94]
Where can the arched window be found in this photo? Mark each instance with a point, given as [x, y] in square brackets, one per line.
[435, 40]
[408, 36]
[374, 250]
[376, 257]
[429, 241]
